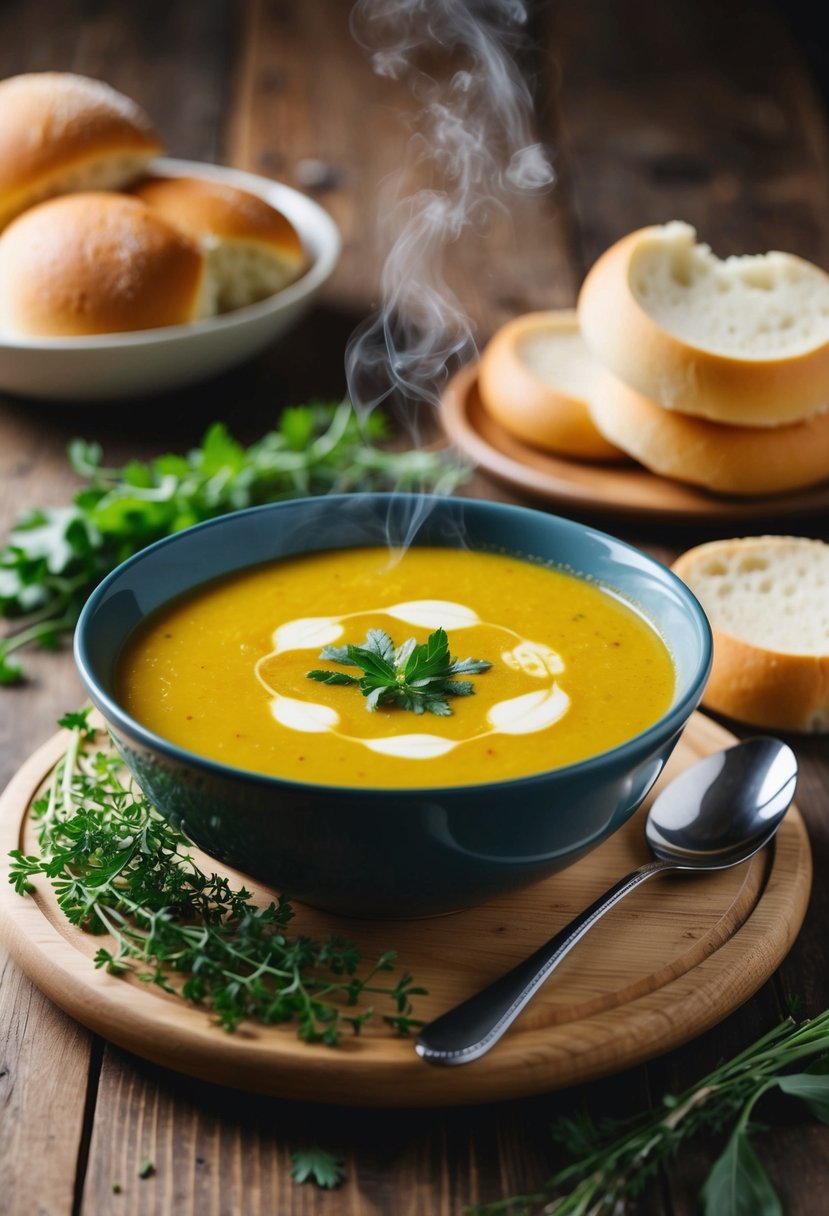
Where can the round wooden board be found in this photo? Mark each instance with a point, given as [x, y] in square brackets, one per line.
[626, 491]
[669, 962]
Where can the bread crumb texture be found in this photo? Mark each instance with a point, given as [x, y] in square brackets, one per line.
[767, 598]
[754, 307]
[770, 591]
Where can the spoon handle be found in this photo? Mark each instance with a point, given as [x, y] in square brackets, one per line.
[471, 1028]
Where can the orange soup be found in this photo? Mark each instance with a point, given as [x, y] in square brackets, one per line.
[222, 671]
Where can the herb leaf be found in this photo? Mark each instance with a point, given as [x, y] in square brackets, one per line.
[117, 867]
[410, 676]
[55, 556]
[319, 1166]
[738, 1185]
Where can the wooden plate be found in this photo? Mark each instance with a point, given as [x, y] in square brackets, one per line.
[670, 961]
[626, 491]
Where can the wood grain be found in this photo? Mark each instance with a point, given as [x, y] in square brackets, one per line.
[670, 961]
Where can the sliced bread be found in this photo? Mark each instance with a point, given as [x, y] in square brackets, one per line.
[743, 341]
[726, 459]
[767, 598]
[535, 378]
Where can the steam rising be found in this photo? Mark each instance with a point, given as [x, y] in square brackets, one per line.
[471, 149]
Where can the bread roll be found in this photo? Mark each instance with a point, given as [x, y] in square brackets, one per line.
[767, 599]
[535, 379]
[736, 460]
[252, 249]
[743, 341]
[97, 263]
[60, 133]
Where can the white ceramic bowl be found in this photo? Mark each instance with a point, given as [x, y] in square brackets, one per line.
[156, 360]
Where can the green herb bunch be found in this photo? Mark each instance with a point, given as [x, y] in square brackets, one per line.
[614, 1160]
[118, 868]
[411, 676]
[55, 556]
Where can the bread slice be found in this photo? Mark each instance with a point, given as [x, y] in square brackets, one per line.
[743, 341]
[60, 133]
[97, 263]
[767, 598]
[252, 249]
[535, 379]
[736, 460]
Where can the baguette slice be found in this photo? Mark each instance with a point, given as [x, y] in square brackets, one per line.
[726, 459]
[743, 341]
[767, 598]
[535, 379]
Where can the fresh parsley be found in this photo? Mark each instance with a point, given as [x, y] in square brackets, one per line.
[319, 1166]
[613, 1160]
[411, 676]
[55, 556]
[117, 867]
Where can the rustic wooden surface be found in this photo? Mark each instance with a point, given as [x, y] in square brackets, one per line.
[689, 109]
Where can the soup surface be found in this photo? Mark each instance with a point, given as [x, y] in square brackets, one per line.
[223, 670]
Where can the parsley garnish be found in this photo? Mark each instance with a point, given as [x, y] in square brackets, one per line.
[411, 676]
[319, 1166]
[117, 867]
[55, 556]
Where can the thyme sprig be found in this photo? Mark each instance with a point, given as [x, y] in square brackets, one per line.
[411, 676]
[117, 867]
[614, 1160]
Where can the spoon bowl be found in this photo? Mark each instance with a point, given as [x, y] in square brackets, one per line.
[724, 808]
[718, 813]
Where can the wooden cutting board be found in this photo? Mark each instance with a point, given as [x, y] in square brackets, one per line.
[669, 962]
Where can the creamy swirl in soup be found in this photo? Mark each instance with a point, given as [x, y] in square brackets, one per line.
[223, 670]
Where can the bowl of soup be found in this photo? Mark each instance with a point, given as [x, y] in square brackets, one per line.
[394, 705]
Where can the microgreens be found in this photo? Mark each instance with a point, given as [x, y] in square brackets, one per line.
[117, 867]
[411, 676]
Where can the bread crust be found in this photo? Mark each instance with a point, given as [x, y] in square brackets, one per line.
[93, 264]
[530, 408]
[727, 459]
[687, 378]
[205, 207]
[761, 686]
[54, 123]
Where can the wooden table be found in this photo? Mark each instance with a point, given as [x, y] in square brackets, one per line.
[699, 111]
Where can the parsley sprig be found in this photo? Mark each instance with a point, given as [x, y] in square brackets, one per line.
[319, 1166]
[55, 556]
[613, 1160]
[117, 867]
[411, 676]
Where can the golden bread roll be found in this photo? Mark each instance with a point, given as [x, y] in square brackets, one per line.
[767, 598]
[97, 263]
[61, 133]
[727, 459]
[743, 341]
[252, 249]
[535, 378]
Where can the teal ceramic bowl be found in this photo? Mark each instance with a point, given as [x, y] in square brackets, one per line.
[391, 852]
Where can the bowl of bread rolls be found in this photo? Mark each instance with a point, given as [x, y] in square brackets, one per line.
[710, 373]
[124, 272]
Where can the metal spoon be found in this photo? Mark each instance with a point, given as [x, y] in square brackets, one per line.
[716, 814]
